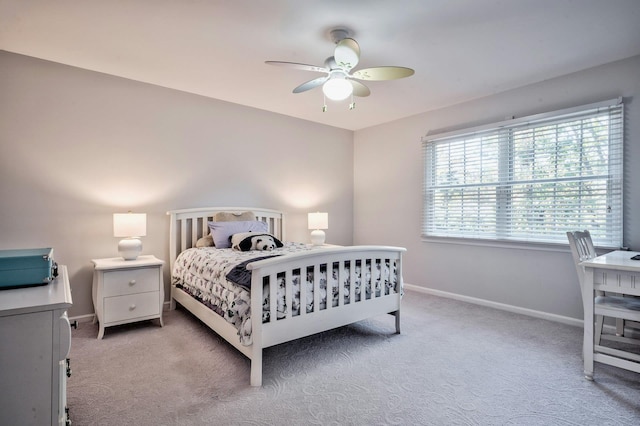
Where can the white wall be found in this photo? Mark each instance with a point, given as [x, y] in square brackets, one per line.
[388, 198]
[77, 146]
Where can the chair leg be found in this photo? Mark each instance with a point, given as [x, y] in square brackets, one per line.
[619, 327]
[599, 325]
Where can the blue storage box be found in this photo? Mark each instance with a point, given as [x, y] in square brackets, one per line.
[26, 267]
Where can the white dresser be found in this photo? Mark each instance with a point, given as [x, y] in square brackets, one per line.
[126, 291]
[35, 339]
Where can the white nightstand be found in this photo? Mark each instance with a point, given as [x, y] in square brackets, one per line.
[127, 291]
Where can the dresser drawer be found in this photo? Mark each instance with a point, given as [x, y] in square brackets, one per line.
[121, 282]
[121, 308]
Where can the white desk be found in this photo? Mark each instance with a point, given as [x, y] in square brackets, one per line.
[612, 272]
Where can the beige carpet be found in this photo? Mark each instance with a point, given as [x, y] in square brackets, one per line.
[453, 364]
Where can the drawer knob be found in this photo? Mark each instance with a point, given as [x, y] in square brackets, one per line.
[132, 307]
[132, 282]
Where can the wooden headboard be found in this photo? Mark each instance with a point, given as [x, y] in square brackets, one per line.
[188, 225]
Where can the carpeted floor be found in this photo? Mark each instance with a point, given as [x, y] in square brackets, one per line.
[453, 364]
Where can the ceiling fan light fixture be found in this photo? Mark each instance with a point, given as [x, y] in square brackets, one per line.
[338, 81]
[337, 89]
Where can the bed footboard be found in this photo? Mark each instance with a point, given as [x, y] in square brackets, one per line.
[333, 273]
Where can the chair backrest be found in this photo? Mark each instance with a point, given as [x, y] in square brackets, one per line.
[581, 249]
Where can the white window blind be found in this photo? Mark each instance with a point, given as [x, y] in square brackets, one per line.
[531, 179]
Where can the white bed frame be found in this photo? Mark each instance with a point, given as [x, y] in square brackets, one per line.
[188, 225]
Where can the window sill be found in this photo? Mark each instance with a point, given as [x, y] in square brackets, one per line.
[517, 245]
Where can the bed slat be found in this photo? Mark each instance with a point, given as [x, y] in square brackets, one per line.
[341, 275]
[316, 288]
[183, 236]
[288, 293]
[303, 291]
[352, 282]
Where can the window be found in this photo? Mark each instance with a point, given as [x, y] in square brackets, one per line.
[530, 179]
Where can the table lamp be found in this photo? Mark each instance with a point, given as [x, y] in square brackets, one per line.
[318, 221]
[131, 226]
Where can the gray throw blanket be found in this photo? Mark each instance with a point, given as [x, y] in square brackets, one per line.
[241, 276]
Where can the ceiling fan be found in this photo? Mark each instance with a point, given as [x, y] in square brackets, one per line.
[340, 82]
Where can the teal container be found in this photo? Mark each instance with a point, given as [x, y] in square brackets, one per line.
[26, 267]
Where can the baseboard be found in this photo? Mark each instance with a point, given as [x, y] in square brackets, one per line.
[82, 318]
[502, 306]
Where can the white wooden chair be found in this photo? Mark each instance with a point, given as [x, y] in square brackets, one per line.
[623, 309]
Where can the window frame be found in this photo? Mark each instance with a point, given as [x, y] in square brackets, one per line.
[505, 130]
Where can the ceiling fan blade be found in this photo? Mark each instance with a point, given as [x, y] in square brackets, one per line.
[383, 73]
[359, 89]
[310, 84]
[347, 53]
[297, 66]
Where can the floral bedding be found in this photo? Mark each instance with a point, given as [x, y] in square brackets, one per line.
[202, 272]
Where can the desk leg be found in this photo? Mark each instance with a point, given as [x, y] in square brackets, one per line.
[588, 300]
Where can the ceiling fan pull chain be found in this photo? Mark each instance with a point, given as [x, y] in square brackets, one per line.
[352, 105]
[324, 100]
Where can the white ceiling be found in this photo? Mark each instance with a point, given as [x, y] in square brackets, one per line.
[460, 49]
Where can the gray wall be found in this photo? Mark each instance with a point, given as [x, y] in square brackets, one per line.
[388, 194]
[77, 146]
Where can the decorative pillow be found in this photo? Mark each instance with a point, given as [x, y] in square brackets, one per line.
[205, 241]
[222, 231]
[233, 216]
[224, 217]
[246, 241]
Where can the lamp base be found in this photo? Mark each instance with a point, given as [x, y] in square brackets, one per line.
[130, 248]
[317, 237]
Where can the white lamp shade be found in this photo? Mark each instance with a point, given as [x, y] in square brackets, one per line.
[337, 89]
[129, 224]
[318, 220]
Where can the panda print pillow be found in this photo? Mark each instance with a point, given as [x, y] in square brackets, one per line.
[247, 241]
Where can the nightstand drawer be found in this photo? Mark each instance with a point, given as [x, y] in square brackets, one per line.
[131, 306]
[117, 283]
